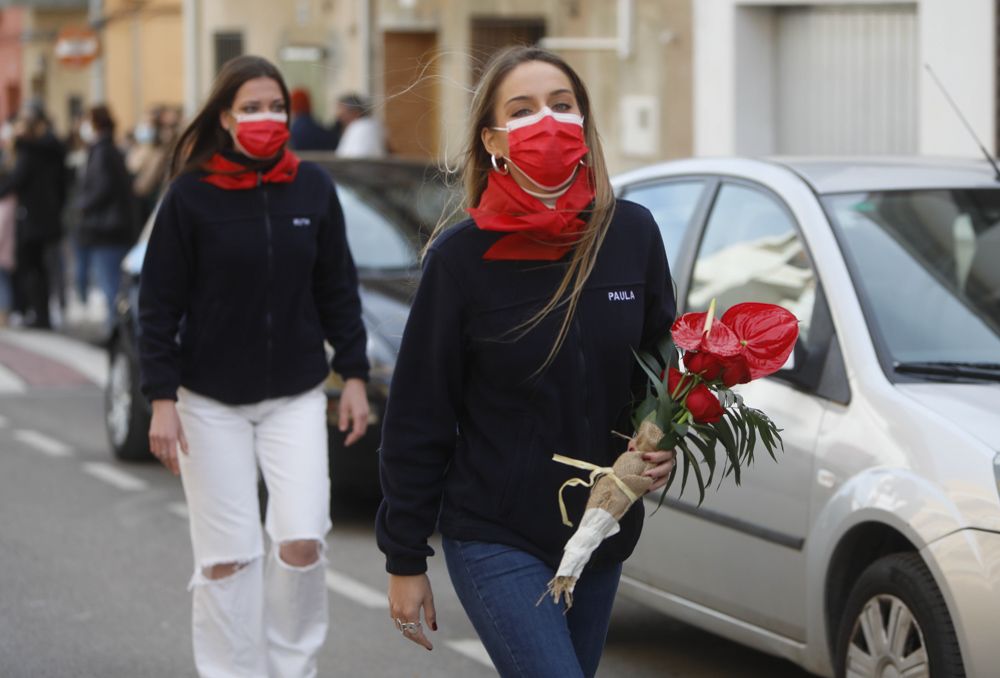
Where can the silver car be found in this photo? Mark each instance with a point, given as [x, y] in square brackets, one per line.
[872, 547]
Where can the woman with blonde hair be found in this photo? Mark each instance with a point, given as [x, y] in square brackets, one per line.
[518, 346]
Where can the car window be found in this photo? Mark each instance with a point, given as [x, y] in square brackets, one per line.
[672, 204]
[751, 251]
[926, 262]
[375, 241]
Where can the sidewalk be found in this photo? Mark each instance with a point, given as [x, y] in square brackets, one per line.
[32, 359]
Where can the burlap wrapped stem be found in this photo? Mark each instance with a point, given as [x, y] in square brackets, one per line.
[614, 491]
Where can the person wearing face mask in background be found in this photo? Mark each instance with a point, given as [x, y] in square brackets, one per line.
[149, 157]
[362, 136]
[39, 182]
[519, 346]
[106, 207]
[246, 273]
[307, 133]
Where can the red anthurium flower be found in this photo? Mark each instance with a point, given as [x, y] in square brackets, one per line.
[767, 334]
[705, 364]
[703, 405]
[688, 332]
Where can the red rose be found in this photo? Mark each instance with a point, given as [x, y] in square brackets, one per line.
[703, 405]
[705, 364]
[674, 377]
[735, 371]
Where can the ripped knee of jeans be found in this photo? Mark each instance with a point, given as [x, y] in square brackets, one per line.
[219, 571]
[300, 553]
[222, 570]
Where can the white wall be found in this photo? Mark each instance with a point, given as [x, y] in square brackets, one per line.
[958, 40]
[755, 115]
[714, 65]
[733, 92]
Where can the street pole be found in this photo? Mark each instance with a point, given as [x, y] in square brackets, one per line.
[95, 15]
[192, 60]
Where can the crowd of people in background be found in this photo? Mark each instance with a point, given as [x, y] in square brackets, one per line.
[71, 206]
[355, 132]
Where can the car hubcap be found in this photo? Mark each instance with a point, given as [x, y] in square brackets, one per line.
[119, 399]
[886, 642]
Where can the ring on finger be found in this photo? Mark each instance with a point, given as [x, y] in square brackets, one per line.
[406, 627]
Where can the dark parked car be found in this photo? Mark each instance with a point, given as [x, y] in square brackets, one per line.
[389, 207]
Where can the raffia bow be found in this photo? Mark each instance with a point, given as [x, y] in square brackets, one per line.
[596, 472]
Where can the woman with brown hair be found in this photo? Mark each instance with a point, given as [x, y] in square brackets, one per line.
[246, 273]
[518, 347]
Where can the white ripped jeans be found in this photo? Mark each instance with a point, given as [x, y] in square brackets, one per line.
[260, 619]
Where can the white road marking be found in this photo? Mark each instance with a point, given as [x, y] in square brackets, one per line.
[179, 509]
[116, 477]
[88, 360]
[356, 591]
[10, 382]
[473, 649]
[43, 443]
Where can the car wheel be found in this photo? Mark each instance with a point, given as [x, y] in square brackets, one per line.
[126, 418]
[896, 624]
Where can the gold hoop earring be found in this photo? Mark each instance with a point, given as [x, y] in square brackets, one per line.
[504, 171]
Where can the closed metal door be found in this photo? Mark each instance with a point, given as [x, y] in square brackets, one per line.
[846, 80]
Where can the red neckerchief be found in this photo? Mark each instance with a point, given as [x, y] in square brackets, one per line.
[536, 231]
[232, 176]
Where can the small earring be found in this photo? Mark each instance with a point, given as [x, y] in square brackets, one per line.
[504, 171]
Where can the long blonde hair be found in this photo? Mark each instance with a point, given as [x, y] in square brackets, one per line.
[477, 166]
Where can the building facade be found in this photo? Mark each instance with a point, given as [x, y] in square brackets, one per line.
[802, 77]
[419, 60]
[142, 57]
[61, 89]
[11, 62]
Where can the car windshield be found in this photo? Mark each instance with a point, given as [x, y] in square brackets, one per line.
[927, 265]
[375, 239]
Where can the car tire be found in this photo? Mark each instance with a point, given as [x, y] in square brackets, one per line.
[126, 417]
[897, 594]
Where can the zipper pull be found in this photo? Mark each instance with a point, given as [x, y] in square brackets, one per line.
[260, 178]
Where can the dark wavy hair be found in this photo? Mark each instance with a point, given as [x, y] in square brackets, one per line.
[205, 137]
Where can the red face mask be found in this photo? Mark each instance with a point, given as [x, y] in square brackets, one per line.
[546, 147]
[262, 135]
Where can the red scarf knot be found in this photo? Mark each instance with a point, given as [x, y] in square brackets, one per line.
[536, 232]
[230, 175]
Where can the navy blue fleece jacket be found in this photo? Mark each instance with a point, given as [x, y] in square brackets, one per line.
[471, 425]
[253, 281]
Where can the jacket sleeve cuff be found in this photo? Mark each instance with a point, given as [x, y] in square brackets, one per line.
[405, 565]
[359, 373]
[164, 393]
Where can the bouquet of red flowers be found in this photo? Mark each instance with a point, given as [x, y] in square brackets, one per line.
[689, 412]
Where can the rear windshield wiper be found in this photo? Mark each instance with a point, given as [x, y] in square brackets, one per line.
[944, 368]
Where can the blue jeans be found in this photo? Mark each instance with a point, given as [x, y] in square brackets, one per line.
[6, 291]
[105, 264]
[500, 586]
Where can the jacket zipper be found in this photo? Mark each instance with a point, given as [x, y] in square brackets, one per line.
[582, 357]
[269, 322]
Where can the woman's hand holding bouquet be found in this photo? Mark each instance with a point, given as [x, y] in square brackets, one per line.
[688, 412]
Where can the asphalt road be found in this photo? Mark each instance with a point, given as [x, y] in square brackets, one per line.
[95, 558]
